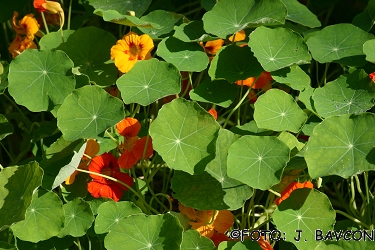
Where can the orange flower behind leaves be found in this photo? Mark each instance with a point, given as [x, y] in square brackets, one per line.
[239, 36]
[247, 82]
[217, 238]
[132, 148]
[20, 44]
[213, 113]
[290, 188]
[264, 81]
[212, 47]
[372, 76]
[50, 7]
[106, 164]
[92, 148]
[264, 244]
[130, 49]
[27, 26]
[208, 221]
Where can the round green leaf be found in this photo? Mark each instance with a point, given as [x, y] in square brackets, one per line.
[192, 239]
[369, 50]
[53, 39]
[305, 97]
[276, 110]
[342, 145]
[348, 94]
[212, 189]
[219, 92]
[165, 19]
[53, 243]
[156, 232]
[87, 112]
[250, 128]
[229, 16]
[306, 210]
[292, 76]
[365, 20]
[78, 218]
[184, 134]
[91, 56]
[278, 48]
[192, 32]
[77, 189]
[148, 81]
[342, 43]
[44, 218]
[299, 13]
[234, 63]
[6, 128]
[38, 79]
[257, 161]
[185, 56]
[110, 213]
[123, 7]
[16, 188]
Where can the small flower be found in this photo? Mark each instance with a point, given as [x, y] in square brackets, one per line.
[212, 47]
[92, 148]
[263, 81]
[264, 244]
[132, 148]
[290, 188]
[372, 76]
[20, 44]
[217, 238]
[239, 36]
[130, 49]
[28, 26]
[213, 113]
[106, 164]
[50, 7]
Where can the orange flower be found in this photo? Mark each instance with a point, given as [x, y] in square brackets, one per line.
[264, 81]
[130, 49]
[239, 36]
[212, 47]
[372, 76]
[92, 148]
[213, 113]
[27, 26]
[290, 188]
[132, 148]
[106, 164]
[19, 44]
[50, 7]
[264, 244]
[217, 238]
[208, 221]
[252, 96]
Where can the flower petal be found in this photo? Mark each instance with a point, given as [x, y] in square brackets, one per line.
[140, 146]
[127, 160]
[128, 127]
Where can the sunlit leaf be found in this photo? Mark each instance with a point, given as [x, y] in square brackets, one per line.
[193, 240]
[122, 7]
[38, 80]
[156, 232]
[185, 56]
[44, 218]
[349, 142]
[299, 13]
[292, 76]
[234, 63]
[192, 32]
[305, 97]
[365, 20]
[276, 110]
[184, 134]
[148, 81]
[165, 19]
[87, 112]
[17, 185]
[90, 56]
[53, 39]
[110, 213]
[342, 43]
[348, 94]
[257, 161]
[368, 50]
[53, 243]
[307, 210]
[219, 92]
[278, 48]
[229, 16]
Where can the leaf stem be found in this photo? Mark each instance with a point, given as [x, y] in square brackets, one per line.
[44, 22]
[352, 218]
[69, 14]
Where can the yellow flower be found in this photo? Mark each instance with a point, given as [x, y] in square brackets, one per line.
[130, 49]
[27, 26]
[212, 47]
[239, 36]
[20, 44]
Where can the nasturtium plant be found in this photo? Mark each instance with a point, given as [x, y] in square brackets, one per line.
[150, 124]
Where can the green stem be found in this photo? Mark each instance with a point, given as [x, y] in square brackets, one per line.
[236, 107]
[352, 218]
[192, 11]
[274, 192]
[323, 81]
[69, 14]
[16, 106]
[186, 5]
[45, 23]
[352, 203]
[161, 203]
[122, 183]
[78, 242]
[1, 167]
[6, 151]
[112, 138]
[89, 241]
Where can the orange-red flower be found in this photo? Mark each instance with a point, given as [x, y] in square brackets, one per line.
[290, 188]
[217, 238]
[372, 76]
[212, 47]
[28, 26]
[213, 113]
[106, 164]
[239, 36]
[264, 244]
[92, 148]
[130, 49]
[50, 7]
[132, 148]
[19, 44]
[208, 221]
[264, 81]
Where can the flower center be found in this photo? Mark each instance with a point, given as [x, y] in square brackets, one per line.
[106, 171]
[129, 143]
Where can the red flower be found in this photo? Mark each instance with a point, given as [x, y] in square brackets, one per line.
[106, 164]
[290, 188]
[372, 76]
[213, 113]
[50, 7]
